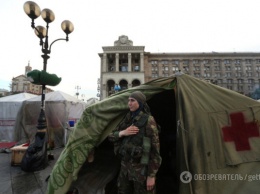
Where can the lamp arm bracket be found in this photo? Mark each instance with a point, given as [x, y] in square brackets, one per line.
[56, 41]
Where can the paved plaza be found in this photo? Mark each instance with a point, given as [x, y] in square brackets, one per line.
[14, 180]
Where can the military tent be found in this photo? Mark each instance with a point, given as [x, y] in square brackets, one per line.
[209, 138]
[60, 108]
[9, 108]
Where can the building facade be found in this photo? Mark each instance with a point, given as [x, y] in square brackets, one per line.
[3, 92]
[22, 84]
[129, 66]
[121, 64]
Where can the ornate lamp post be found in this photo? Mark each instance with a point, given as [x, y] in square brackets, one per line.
[77, 88]
[39, 147]
[34, 11]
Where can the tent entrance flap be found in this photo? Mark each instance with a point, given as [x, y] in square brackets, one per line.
[106, 166]
[163, 109]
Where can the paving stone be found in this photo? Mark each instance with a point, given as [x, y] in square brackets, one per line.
[13, 180]
[6, 186]
[25, 183]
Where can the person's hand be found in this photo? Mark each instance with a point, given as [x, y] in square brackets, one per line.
[150, 183]
[132, 130]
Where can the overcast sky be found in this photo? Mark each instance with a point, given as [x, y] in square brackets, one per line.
[159, 25]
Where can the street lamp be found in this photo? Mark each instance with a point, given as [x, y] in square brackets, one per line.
[77, 88]
[42, 78]
[34, 11]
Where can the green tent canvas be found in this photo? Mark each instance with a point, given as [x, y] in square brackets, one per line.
[210, 140]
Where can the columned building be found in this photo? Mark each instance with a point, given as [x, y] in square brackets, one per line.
[121, 64]
[129, 65]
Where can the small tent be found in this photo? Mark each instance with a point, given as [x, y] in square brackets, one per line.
[209, 137]
[9, 108]
[60, 108]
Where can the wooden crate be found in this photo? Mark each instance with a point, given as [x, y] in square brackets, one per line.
[17, 154]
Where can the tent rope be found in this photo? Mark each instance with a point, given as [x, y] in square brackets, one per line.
[253, 113]
[180, 127]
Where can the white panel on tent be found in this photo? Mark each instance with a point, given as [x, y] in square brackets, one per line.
[9, 108]
[59, 109]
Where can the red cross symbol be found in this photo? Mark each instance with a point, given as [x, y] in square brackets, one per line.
[240, 132]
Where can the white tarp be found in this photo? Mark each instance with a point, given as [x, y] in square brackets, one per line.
[9, 107]
[59, 109]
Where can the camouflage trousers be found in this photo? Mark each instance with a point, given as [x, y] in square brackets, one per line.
[126, 186]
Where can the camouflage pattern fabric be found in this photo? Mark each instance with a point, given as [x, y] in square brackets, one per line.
[129, 187]
[131, 166]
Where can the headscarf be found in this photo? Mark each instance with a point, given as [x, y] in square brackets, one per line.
[141, 99]
[139, 96]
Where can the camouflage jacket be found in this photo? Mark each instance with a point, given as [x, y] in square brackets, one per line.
[132, 166]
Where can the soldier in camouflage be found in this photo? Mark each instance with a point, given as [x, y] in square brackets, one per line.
[137, 143]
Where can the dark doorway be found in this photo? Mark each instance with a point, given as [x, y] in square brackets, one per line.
[136, 82]
[163, 109]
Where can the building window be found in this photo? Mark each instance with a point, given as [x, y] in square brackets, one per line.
[164, 62]
[216, 61]
[251, 81]
[154, 68]
[25, 87]
[240, 81]
[176, 62]
[250, 87]
[229, 87]
[249, 68]
[154, 75]
[111, 68]
[196, 68]
[206, 61]
[226, 61]
[197, 74]
[165, 75]
[228, 74]
[165, 68]
[240, 88]
[154, 62]
[136, 68]
[206, 74]
[185, 62]
[257, 61]
[175, 68]
[249, 74]
[229, 81]
[207, 68]
[195, 61]
[185, 68]
[248, 61]
[257, 68]
[217, 68]
[123, 68]
[218, 75]
[239, 74]
[237, 61]
[237, 68]
[228, 68]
